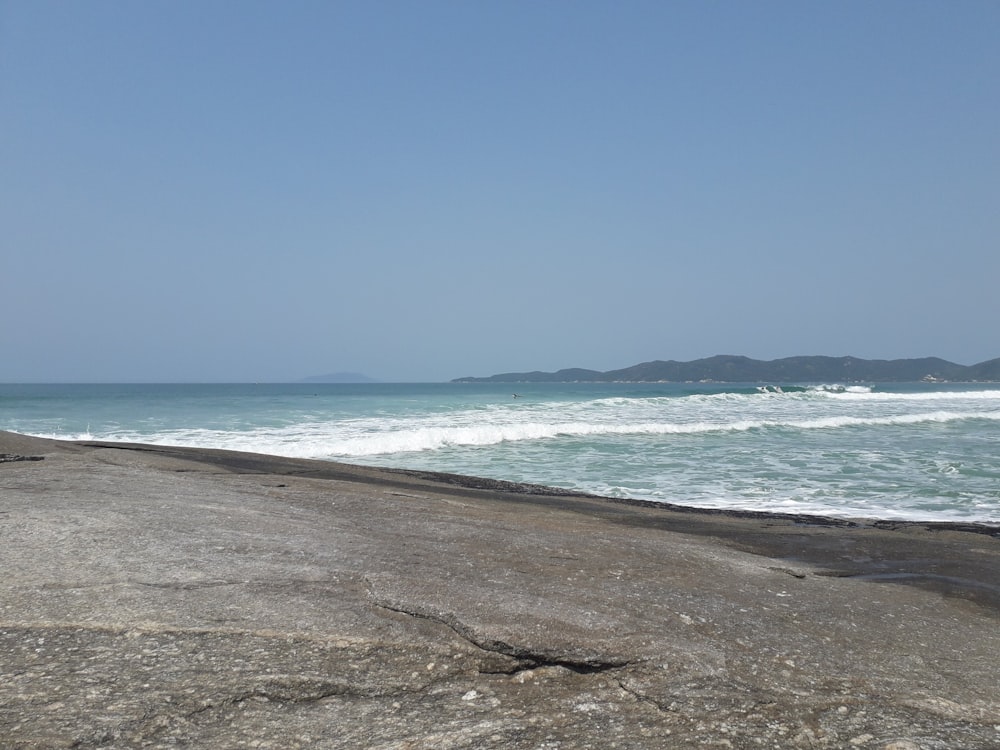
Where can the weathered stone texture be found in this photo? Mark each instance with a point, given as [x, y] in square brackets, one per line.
[164, 598]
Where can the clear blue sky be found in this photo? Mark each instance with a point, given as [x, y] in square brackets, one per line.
[204, 191]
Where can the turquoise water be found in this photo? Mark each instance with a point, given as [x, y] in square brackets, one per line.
[908, 451]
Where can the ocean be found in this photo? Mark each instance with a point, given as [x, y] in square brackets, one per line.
[915, 451]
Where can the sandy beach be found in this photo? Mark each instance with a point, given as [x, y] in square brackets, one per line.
[170, 597]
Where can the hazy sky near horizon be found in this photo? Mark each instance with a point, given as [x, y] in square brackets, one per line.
[254, 191]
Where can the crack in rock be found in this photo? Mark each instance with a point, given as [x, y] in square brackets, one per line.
[526, 658]
[642, 697]
[186, 585]
[789, 571]
[279, 692]
[301, 691]
[10, 457]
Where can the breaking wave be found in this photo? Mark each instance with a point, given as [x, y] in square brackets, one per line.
[333, 440]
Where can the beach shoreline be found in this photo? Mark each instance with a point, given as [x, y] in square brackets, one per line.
[158, 596]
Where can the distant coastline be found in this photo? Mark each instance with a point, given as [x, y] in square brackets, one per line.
[726, 368]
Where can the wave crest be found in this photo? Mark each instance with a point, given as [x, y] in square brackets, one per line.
[436, 438]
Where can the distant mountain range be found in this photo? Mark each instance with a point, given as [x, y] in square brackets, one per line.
[726, 368]
[339, 377]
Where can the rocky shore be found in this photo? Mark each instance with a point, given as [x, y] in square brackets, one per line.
[165, 597]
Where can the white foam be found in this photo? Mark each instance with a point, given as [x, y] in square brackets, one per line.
[619, 416]
[869, 395]
[332, 441]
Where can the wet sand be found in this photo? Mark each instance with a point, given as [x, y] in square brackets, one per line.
[167, 597]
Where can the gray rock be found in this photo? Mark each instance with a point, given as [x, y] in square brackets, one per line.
[162, 597]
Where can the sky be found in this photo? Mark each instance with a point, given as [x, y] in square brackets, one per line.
[418, 191]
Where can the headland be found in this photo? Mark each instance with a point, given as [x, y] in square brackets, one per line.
[728, 368]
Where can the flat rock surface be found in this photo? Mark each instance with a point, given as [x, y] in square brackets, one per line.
[166, 597]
